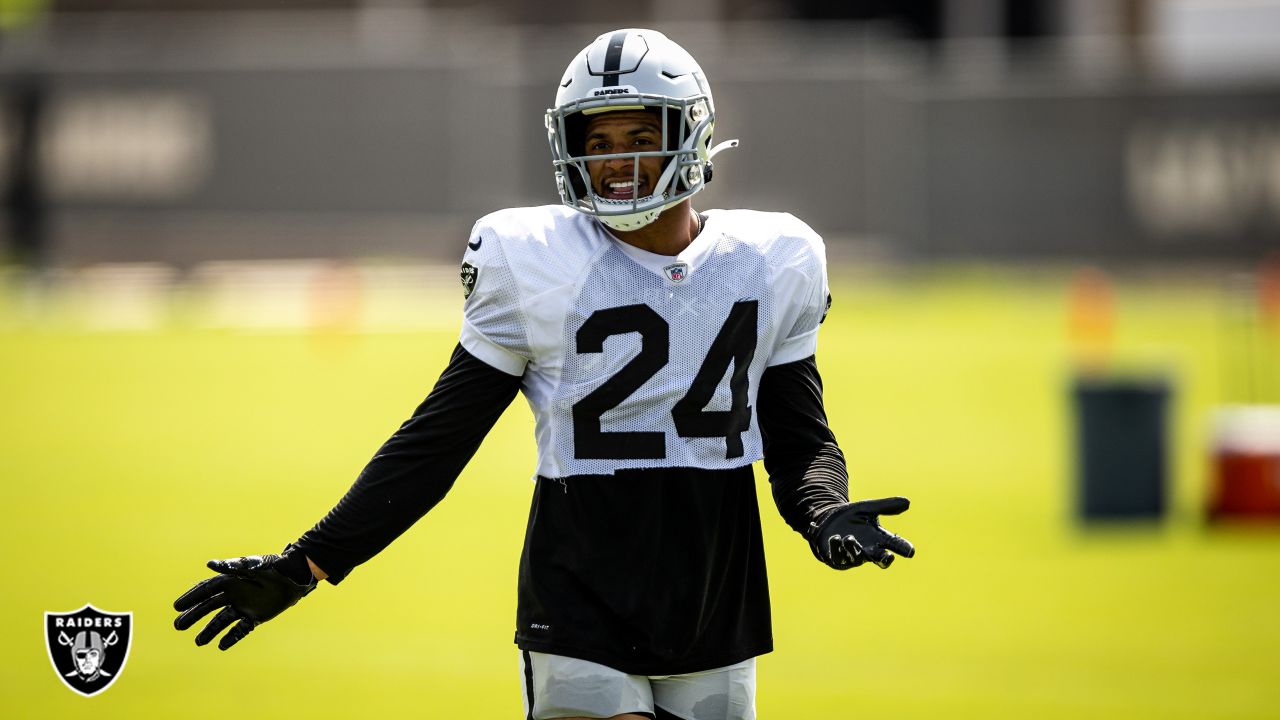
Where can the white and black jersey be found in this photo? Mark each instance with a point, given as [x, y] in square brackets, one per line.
[634, 360]
[655, 382]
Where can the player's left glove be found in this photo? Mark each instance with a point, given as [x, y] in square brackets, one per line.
[251, 590]
[851, 534]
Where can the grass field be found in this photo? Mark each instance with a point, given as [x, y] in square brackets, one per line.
[129, 458]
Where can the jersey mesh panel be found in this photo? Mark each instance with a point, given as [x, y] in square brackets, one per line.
[496, 312]
[694, 312]
[815, 304]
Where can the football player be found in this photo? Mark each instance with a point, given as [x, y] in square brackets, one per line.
[662, 351]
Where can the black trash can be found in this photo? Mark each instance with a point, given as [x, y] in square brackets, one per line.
[1121, 446]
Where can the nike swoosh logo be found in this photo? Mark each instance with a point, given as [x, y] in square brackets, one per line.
[475, 245]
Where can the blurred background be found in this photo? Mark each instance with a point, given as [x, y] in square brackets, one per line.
[228, 270]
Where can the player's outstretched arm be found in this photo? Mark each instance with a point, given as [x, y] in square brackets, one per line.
[248, 591]
[414, 468]
[808, 475]
[410, 473]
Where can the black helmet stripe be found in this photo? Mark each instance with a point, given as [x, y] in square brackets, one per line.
[613, 58]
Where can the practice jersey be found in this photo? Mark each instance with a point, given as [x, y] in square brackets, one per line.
[632, 360]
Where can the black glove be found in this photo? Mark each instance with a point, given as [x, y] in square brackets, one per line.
[250, 589]
[851, 534]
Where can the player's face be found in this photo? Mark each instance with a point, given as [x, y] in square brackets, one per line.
[624, 131]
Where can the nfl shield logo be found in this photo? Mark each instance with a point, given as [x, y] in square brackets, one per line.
[88, 647]
[677, 272]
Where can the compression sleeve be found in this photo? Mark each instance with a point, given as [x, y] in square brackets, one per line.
[806, 468]
[414, 468]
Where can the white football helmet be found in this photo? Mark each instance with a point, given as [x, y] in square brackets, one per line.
[633, 69]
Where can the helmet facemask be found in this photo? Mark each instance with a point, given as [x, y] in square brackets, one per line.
[687, 124]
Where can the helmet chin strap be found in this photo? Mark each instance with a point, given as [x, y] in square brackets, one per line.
[629, 221]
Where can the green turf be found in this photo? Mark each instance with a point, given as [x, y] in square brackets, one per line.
[129, 458]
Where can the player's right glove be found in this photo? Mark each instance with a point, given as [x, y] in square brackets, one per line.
[851, 534]
[250, 590]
